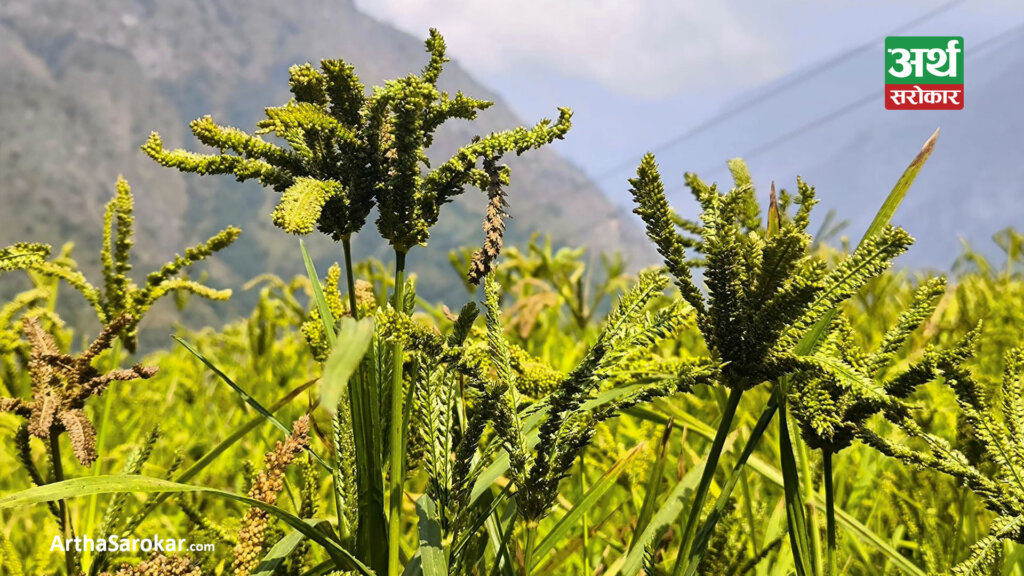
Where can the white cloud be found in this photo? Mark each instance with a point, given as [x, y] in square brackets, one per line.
[645, 49]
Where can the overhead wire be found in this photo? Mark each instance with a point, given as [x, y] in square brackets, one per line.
[817, 122]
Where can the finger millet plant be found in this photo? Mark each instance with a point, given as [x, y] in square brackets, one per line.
[408, 439]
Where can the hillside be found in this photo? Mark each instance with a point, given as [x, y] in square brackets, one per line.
[83, 83]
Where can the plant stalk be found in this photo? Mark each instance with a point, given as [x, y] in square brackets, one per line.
[364, 403]
[531, 541]
[748, 509]
[346, 245]
[101, 435]
[586, 521]
[814, 528]
[708, 528]
[397, 457]
[830, 513]
[707, 476]
[70, 561]
[795, 509]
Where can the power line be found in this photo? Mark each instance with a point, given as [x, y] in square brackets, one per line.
[751, 103]
[831, 116]
[804, 76]
[854, 105]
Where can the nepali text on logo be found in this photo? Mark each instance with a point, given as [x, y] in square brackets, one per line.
[924, 73]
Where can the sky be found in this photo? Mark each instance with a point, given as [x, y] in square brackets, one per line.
[639, 73]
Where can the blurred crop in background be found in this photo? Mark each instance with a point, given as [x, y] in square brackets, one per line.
[665, 373]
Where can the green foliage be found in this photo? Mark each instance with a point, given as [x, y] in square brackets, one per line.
[569, 424]
[62, 383]
[993, 468]
[833, 400]
[767, 294]
[23, 255]
[271, 349]
[119, 295]
[764, 290]
[566, 431]
[348, 151]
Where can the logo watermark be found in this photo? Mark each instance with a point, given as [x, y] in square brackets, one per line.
[115, 543]
[924, 73]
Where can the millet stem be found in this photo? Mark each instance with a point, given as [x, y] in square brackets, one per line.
[346, 244]
[830, 513]
[397, 457]
[531, 540]
[708, 474]
[70, 561]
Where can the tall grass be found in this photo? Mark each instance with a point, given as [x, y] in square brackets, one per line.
[586, 427]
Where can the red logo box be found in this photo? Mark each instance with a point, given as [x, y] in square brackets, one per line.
[924, 97]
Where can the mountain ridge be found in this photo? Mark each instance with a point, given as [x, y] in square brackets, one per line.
[85, 83]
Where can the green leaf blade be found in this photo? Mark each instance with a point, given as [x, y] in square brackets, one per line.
[78, 487]
[432, 556]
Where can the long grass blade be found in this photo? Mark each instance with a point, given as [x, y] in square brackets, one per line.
[222, 447]
[276, 556]
[248, 399]
[252, 402]
[882, 219]
[850, 524]
[318, 296]
[711, 464]
[899, 191]
[479, 521]
[632, 562]
[592, 497]
[368, 434]
[432, 557]
[794, 499]
[654, 482]
[501, 535]
[78, 487]
[718, 510]
[364, 401]
[346, 355]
